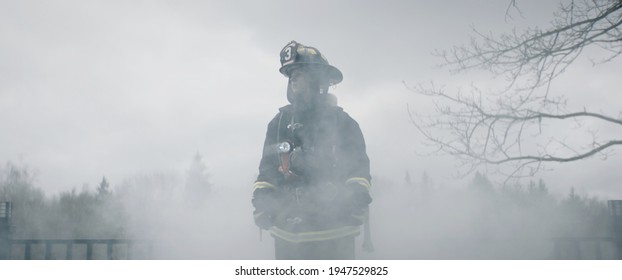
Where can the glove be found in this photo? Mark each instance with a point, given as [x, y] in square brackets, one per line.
[357, 195]
[356, 202]
[266, 204]
[262, 219]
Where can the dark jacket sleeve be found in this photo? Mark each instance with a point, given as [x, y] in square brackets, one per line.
[354, 160]
[269, 176]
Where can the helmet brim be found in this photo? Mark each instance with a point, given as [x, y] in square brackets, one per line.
[334, 75]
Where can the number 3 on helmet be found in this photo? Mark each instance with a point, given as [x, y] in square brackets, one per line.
[288, 54]
[296, 54]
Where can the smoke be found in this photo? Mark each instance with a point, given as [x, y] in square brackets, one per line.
[187, 217]
[86, 85]
[481, 221]
[409, 220]
[413, 219]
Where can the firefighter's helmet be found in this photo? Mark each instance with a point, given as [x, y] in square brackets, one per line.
[295, 55]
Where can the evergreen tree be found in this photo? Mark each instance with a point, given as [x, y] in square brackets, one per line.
[482, 183]
[198, 185]
[542, 188]
[103, 189]
[425, 180]
[407, 180]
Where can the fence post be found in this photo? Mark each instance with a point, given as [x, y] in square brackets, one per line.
[5, 229]
[615, 210]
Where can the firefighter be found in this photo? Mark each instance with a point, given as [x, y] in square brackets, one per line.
[312, 191]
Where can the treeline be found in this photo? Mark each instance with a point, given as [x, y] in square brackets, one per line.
[483, 209]
[136, 207]
[72, 214]
[99, 212]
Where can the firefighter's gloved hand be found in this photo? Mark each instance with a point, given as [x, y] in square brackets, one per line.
[265, 199]
[357, 200]
[266, 204]
[357, 195]
[262, 219]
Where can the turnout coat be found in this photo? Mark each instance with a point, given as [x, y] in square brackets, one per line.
[300, 194]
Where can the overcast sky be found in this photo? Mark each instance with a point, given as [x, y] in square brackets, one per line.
[115, 88]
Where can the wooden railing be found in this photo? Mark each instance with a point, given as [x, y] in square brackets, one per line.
[563, 248]
[577, 248]
[112, 249]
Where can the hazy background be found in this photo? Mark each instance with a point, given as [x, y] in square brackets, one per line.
[119, 88]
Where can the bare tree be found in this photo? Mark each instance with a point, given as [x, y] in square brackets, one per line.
[494, 129]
